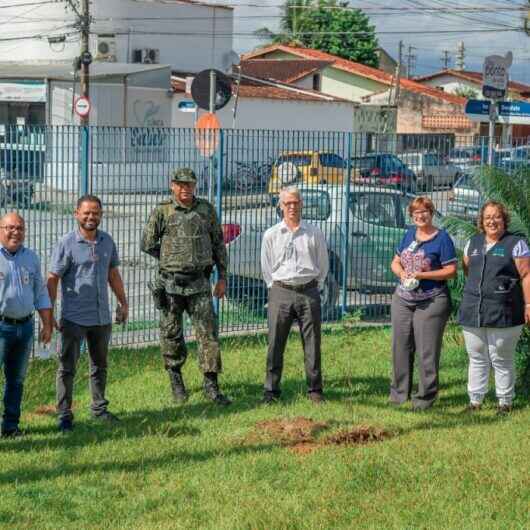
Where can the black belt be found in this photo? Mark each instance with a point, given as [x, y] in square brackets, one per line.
[297, 288]
[9, 320]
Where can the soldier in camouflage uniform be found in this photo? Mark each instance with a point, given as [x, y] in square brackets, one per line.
[184, 234]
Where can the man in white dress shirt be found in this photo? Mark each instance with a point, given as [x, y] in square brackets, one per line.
[294, 263]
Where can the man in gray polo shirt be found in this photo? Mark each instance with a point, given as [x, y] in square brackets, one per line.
[86, 262]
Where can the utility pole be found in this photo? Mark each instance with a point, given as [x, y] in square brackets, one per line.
[446, 59]
[411, 61]
[461, 56]
[84, 26]
[398, 73]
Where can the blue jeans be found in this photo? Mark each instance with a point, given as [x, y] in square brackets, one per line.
[15, 347]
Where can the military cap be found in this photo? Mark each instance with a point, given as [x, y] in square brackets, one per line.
[184, 174]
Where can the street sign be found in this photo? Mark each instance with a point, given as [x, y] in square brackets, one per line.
[508, 112]
[477, 109]
[200, 90]
[82, 106]
[514, 112]
[495, 75]
[187, 105]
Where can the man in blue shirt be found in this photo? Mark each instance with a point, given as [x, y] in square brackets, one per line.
[86, 262]
[22, 290]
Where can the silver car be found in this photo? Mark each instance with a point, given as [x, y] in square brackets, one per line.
[362, 234]
[432, 170]
[465, 200]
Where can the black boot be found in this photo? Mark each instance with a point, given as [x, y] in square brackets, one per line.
[211, 389]
[177, 386]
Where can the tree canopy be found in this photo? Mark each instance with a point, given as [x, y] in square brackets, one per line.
[330, 26]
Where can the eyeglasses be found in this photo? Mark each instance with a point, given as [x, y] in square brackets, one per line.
[494, 218]
[420, 212]
[12, 228]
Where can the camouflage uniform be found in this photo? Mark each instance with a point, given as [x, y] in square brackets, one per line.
[188, 242]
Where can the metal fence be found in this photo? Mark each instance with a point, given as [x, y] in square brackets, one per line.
[356, 187]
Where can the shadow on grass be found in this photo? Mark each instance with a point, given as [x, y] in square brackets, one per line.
[31, 474]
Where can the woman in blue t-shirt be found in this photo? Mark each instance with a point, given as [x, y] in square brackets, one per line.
[424, 261]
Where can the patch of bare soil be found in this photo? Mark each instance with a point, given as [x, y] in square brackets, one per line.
[362, 434]
[299, 434]
[45, 410]
[290, 432]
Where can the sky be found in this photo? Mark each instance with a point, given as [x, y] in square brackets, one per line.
[408, 16]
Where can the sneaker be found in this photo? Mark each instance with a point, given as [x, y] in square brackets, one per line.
[316, 397]
[269, 399]
[12, 433]
[106, 417]
[66, 426]
[503, 410]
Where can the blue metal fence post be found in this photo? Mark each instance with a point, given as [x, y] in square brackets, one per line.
[218, 158]
[84, 163]
[346, 228]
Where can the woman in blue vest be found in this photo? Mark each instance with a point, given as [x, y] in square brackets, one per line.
[495, 305]
[424, 261]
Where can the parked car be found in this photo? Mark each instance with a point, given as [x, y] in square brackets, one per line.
[364, 236]
[519, 159]
[383, 169]
[306, 167]
[464, 200]
[466, 158]
[432, 170]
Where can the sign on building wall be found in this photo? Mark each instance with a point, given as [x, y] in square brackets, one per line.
[23, 91]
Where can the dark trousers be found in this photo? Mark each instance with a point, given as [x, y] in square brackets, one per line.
[417, 328]
[97, 339]
[15, 347]
[286, 306]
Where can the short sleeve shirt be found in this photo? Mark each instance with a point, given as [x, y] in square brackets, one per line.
[430, 255]
[83, 267]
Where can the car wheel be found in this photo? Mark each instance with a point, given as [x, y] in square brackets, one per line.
[249, 293]
[329, 296]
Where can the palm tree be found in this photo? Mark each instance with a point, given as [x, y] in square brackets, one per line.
[513, 190]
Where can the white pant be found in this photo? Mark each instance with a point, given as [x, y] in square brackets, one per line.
[495, 347]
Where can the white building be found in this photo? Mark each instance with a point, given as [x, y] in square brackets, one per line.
[265, 105]
[185, 34]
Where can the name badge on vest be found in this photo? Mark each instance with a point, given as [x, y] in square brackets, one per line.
[475, 253]
[25, 277]
[498, 252]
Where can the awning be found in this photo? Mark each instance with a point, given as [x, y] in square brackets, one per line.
[23, 91]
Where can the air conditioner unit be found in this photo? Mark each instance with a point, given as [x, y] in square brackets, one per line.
[146, 56]
[106, 48]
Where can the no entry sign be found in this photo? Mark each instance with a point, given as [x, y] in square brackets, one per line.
[82, 106]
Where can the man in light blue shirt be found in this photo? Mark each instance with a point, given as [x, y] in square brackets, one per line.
[22, 291]
[86, 262]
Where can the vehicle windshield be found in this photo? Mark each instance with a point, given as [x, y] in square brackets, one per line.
[466, 182]
[297, 160]
[381, 209]
[520, 154]
[317, 205]
[331, 160]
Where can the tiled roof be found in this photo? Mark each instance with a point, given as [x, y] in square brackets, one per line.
[358, 69]
[287, 71]
[250, 88]
[474, 77]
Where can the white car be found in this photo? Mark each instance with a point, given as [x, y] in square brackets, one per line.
[362, 236]
[432, 170]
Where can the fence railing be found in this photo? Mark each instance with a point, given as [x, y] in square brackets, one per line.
[356, 187]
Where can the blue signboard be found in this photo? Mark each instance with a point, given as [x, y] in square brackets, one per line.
[477, 110]
[514, 112]
[187, 105]
[508, 112]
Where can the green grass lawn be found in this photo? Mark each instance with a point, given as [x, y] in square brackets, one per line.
[196, 466]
